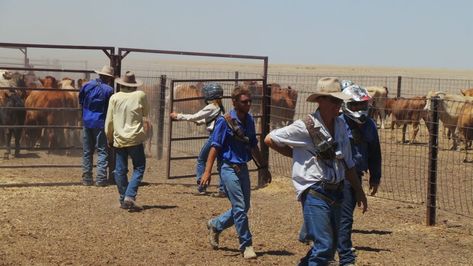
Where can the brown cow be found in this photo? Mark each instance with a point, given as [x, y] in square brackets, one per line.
[467, 92]
[73, 117]
[406, 111]
[283, 103]
[45, 99]
[378, 103]
[184, 91]
[465, 126]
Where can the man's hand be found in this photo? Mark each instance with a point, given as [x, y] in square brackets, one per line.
[361, 200]
[173, 115]
[266, 174]
[373, 189]
[205, 179]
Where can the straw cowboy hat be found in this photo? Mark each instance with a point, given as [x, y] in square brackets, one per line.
[328, 87]
[106, 71]
[129, 80]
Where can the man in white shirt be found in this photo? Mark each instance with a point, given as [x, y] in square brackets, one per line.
[124, 129]
[320, 148]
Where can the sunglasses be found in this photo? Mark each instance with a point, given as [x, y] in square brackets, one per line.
[245, 102]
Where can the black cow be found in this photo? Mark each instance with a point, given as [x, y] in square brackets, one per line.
[12, 114]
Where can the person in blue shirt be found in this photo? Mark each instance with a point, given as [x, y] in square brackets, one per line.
[93, 98]
[234, 142]
[366, 152]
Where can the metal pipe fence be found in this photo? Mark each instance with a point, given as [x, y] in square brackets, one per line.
[406, 167]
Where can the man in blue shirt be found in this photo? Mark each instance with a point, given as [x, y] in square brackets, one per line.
[366, 154]
[234, 142]
[94, 97]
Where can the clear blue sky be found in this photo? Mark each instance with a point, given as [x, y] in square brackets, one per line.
[401, 33]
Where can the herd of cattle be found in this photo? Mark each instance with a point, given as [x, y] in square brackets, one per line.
[455, 112]
[48, 110]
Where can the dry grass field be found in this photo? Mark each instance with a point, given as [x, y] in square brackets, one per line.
[48, 218]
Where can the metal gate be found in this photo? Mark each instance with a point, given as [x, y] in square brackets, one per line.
[160, 86]
[182, 146]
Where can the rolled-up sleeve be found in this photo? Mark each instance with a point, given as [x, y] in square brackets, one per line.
[294, 135]
[218, 135]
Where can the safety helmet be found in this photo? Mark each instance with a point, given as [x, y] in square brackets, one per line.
[212, 91]
[346, 83]
[358, 95]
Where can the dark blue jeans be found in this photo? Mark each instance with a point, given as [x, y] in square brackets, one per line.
[137, 154]
[321, 219]
[94, 138]
[346, 225]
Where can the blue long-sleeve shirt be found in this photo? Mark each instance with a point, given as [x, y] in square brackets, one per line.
[365, 148]
[232, 150]
[94, 97]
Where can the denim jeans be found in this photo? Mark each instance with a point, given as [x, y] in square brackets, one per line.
[137, 154]
[321, 220]
[94, 138]
[346, 224]
[202, 160]
[238, 190]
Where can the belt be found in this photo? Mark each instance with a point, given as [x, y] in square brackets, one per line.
[235, 166]
[330, 186]
[323, 197]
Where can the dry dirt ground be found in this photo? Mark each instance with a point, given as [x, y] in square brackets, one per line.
[67, 223]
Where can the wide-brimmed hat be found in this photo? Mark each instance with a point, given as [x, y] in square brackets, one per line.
[129, 80]
[328, 87]
[106, 71]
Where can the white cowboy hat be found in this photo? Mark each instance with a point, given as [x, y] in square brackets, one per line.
[106, 71]
[328, 87]
[129, 80]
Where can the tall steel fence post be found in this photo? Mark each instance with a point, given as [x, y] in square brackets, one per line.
[265, 120]
[399, 85]
[433, 152]
[162, 105]
[236, 77]
[115, 62]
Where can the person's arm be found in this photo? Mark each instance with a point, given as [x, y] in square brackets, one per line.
[374, 161]
[284, 150]
[145, 105]
[262, 166]
[206, 176]
[109, 124]
[209, 110]
[356, 185]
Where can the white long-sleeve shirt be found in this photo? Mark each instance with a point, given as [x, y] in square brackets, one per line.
[206, 114]
[307, 169]
[124, 121]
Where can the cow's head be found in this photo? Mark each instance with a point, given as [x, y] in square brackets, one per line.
[49, 82]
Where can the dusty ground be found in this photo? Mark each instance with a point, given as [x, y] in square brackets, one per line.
[67, 223]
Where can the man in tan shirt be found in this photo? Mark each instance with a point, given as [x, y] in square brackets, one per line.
[124, 130]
